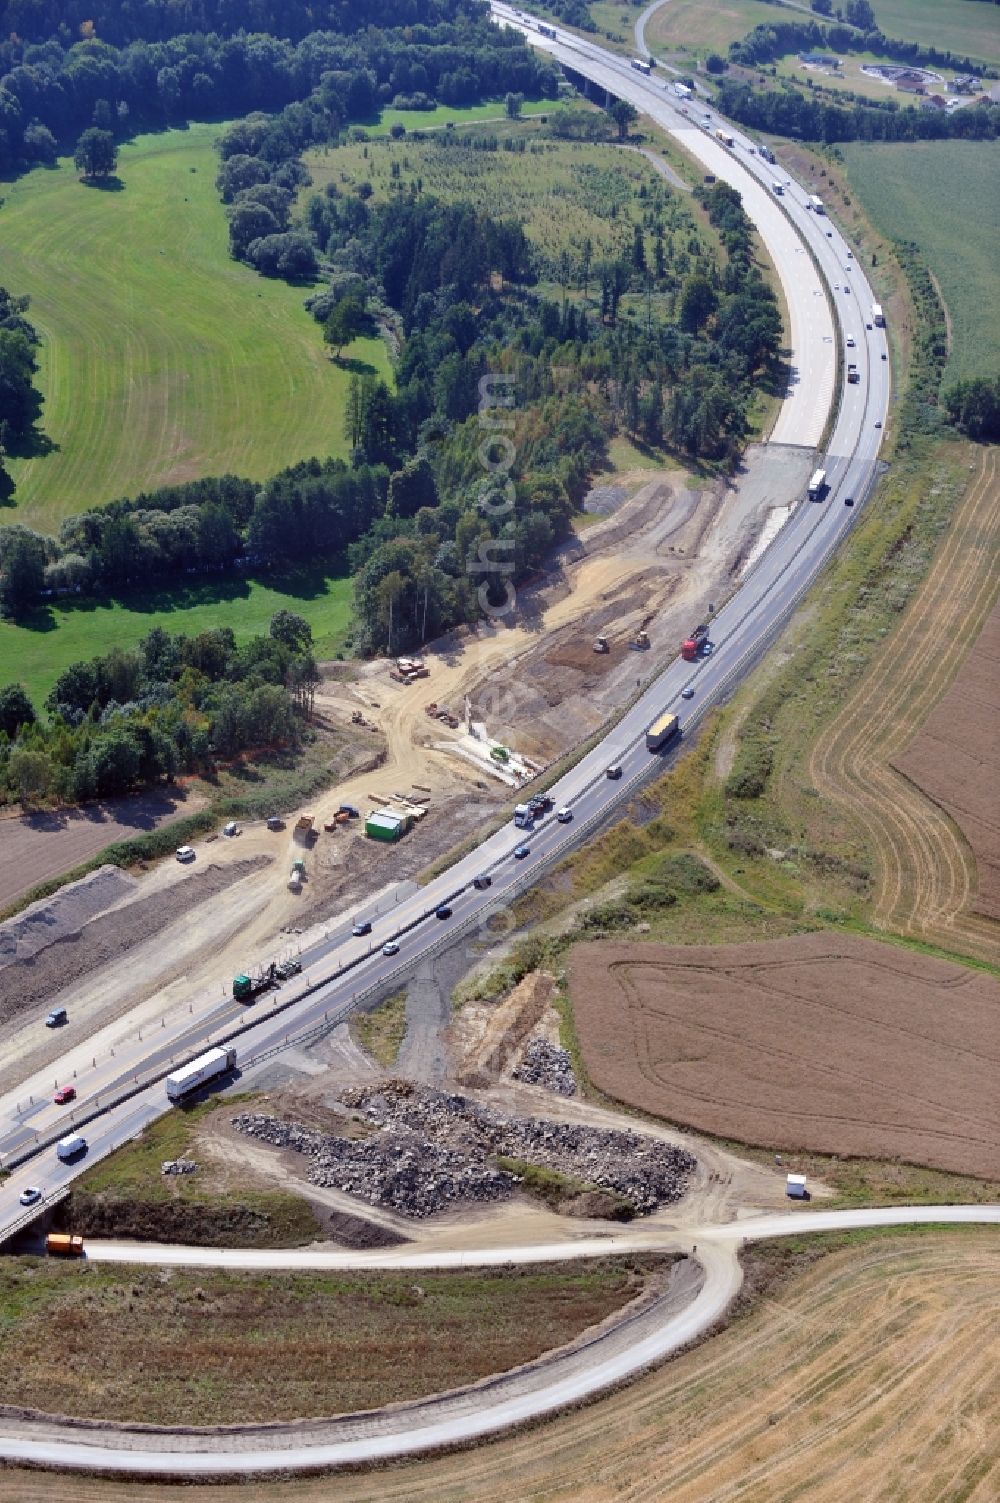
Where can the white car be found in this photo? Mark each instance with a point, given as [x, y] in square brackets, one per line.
[390, 947]
[185, 853]
[850, 341]
[564, 816]
[30, 1196]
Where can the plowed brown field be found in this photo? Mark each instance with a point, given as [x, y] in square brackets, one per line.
[829, 1043]
[870, 1378]
[956, 760]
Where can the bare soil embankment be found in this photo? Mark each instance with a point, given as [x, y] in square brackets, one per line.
[828, 1043]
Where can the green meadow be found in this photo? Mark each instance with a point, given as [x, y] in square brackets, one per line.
[162, 359]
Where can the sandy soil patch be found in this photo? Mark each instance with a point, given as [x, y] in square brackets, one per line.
[831, 1043]
[956, 760]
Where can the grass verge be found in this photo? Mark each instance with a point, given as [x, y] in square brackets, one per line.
[381, 1031]
[175, 1348]
[128, 1195]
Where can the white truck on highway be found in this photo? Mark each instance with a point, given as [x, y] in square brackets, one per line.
[878, 317]
[816, 204]
[201, 1070]
[817, 484]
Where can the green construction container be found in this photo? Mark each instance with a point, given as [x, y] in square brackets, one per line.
[381, 825]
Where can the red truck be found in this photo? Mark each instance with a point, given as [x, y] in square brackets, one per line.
[696, 645]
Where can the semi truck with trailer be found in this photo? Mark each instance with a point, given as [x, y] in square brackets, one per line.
[816, 204]
[878, 317]
[696, 645]
[724, 137]
[663, 729]
[199, 1072]
[640, 66]
[817, 484]
[546, 31]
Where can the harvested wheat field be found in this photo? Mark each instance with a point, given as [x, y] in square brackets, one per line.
[956, 760]
[868, 1376]
[830, 1043]
[928, 879]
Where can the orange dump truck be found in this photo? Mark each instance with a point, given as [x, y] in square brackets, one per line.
[64, 1245]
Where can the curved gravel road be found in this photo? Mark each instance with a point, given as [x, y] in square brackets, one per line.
[613, 1355]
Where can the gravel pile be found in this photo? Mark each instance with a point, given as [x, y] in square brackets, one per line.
[433, 1150]
[547, 1065]
[64, 914]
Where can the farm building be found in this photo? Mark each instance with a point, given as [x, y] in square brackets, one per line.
[386, 824]
[795, 1187]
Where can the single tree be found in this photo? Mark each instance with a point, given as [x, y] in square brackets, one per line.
[624, 115]
[96, 154]
[294, 631]
[16, 709]
[344, 323]
[512, 104]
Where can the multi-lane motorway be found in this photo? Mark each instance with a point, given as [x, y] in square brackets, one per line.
[804, 247]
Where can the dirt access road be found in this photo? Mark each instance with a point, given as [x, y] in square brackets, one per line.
[615, 1353]
[873, 1378]
[926, 869]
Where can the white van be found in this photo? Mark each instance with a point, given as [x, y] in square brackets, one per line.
[68, 1148]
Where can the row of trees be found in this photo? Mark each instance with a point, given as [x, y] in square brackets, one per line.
[788, 111]
[773, 39]
[316, 508]
[172, 705]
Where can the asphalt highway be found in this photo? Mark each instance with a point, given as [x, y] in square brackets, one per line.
[338, 973]
[466, 1417]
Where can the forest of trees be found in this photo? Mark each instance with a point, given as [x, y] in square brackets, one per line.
[172, 705]
[126, 67]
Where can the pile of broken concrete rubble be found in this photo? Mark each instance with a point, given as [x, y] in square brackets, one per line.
[432, 1150]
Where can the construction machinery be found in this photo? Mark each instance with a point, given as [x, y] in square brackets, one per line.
[600, 644]
[640, 642]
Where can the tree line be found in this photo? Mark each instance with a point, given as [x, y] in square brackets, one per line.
[775, 39]
[790, 112]
[20, 400]
[173, 705]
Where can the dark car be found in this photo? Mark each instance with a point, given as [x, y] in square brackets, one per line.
[483, 881]
[848, 500]
[64, 1094]
[442, 911]
[687, 693]
[520, 851]
[361, 926]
